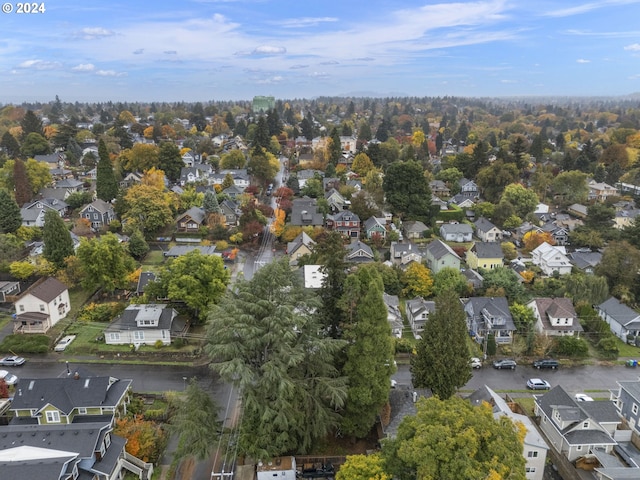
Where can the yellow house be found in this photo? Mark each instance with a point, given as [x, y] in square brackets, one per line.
[301, 245]
[486, 255]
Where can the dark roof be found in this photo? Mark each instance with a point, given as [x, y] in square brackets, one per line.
[107, 464]
[561, 307]
[99, 205]
[67, 393]
[47, 290]
[632, 388]
[374, 222]
[350, 216]
[455, 228]
[128, 319]
[487, 250]
[301, 239]
[305, 212]
[197, 214]
[414, 226]
[619, 312]
[483, 225]
[358, 246]
[439, 249]
[145, 278]
[583, 260]
[494, 307]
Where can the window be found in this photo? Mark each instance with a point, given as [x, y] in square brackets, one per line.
[82, 411]
[530, 470]
[532, 454]
[22, 308]
[138, 335]
[53, 416]
[579, 447]
[114, 336]
[585, 424]
[634, 409]
[42, 307]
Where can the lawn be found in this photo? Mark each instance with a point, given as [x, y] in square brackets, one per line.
[626, 350]
[153, 259]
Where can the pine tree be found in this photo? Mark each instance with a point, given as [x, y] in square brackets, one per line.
[10, 144]
[31, 124]
[106, 185]
[10, 219]
[21, 182]
[58, 244]
[138, 246]
[210, 203]
[442, 360]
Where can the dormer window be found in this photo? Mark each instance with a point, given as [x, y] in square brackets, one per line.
[585, 424]
[53, 416]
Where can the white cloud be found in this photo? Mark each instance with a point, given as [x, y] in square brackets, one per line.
[305, 22]
[269, 50]
[91, 33]
[587, 7]
[40, 65]
[508, 81]
[170, 52]
[634, 47]
[269, 81]
[297, 67]
[110, 73]
[583, 60]
[84, 67]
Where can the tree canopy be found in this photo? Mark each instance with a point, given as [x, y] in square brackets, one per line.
[10, 218]
[58, 244]
[408, 191]
[105, 263]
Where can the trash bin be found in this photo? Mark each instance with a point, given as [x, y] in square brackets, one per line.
[634, 363]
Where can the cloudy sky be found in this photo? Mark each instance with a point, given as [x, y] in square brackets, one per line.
[191, 50]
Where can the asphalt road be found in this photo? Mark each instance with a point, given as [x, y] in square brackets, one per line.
[591, 378]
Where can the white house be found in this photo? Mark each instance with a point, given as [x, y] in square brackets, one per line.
[313, 276]
[622, 319]
[555, 316]
[144, 324]
[41, 306]
[551, 259]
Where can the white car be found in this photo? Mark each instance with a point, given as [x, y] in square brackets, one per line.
[581, 397]
[475, 362]
[9, 378]
[538, 384]
[64, 343]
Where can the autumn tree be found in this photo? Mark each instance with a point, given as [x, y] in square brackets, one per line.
[453, 440]
[140, 158]
[533, 239]
[363, 467]
[277, 227]
[264, 338]
[58, 244]
[362, 164]
[263, 165]
[149, 206]
[442, 359]
[234, 159]
[106, 184]
[105, 263]
[145, 439]
[369, 355]
[10, 218]
[23, 191]
[418, 281]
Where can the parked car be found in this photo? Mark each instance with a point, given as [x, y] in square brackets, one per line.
[506, 363]
[64, 343]
[13, 361]
[546, 363]
[582, 397]
[538, 384]
[9, 378]
[476, 362]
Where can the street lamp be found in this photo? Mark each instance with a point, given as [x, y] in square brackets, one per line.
[184, 383]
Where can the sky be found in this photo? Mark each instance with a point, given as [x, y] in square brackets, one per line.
[201, 50]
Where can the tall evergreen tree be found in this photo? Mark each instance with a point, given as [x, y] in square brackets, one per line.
[262, 138]
[336, 149]
[31, 124]
[58, 243]
[138, 246]
[210, 202]
[21, 183]
[106, 184]
[330, 253]
[274, 123]
[10, 145]
[442, 360]
[369, 363]
[10, 219]
[170, 161]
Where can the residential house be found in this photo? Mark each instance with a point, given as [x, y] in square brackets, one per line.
[418, 311]
[585, 261]
[551, 260]
[231, 211]
[439, 188]
[348, 143]
[132, 178]
[330, 183]
[191, 221]
[301, 245]
[600, 191]
[402, 254]
[534, 446]
[336, 202]
[486, 255]
[282, 468]
[622, 320]
[313, 276]
[487, 231]
[625, 218]
[577, 210]
[555, 316]
[8, 289]
[53, 193]
[627, 401]
[62, 428]
[143, 280]
[241, 178]
[439, 255]
[190, 158]
[41, 306]
[474, 278]
[345, 222]
[70, 185]
[468, 186]
[358, 252]
[33, 213]
[456, 232]
[305, 175]
[489, 315]
[304, 212]
[52, 160]
[144, 324]
[233, 192]
[560, 235]
[179, 250]
[375, 226]
[394, 316]
[575, 429]
[438, 202]
[190, 175]
[463, 200]
[355, 183]
[414, 229]
[99, 213]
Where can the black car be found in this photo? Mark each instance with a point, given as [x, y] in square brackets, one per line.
[546, 363]
[506, 363]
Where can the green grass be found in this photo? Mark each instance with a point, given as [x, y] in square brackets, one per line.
[153, 258]
[626, 350]
[527, 404]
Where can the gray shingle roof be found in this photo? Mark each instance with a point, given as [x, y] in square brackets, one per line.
[483, 225]
[197, 214]
[163, 314]
[619, 311]
[438, 249]
[456, 228]
[487, 250]
[632, 388]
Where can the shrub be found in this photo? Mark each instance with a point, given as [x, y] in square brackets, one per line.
[25, 343]
[154, 414]
[100, 312]
[571, 347]
[158, 344]
[178, 343]
[608, 346]
[404, 345]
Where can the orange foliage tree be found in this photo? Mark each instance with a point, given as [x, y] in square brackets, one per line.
[277, 227]
[145, 439]
[533, 240]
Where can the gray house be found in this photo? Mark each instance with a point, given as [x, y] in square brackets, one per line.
[304, 211]
[490, 315]
[418, 311]
[627, 400]
[622, 319]
[456, 232]
[439, 255]
[99, 213]
[394, 316]
[414, 229]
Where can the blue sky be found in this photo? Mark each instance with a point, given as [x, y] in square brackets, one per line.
[191, 50]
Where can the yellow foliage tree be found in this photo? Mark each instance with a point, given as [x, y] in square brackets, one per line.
[277, 227]
[148, 132]
[363, 467]
[418, 281]
[533, 240]
[153, 178]
[362, 164]
[418, 138]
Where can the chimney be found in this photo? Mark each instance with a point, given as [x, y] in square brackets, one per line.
[76, 376]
